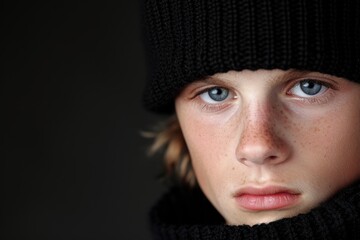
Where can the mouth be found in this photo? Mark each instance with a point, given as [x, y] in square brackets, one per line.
[265, 199]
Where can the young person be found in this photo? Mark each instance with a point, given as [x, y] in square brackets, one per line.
[263, 100]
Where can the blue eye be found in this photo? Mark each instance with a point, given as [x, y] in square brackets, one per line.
[308, 88]
[214, 95]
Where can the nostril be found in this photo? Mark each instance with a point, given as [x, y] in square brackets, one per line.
[263, 147]
[272, 157]
[259, 160]
[243, 161]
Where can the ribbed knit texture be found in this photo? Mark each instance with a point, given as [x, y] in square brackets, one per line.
[185, 214]
[189, 39]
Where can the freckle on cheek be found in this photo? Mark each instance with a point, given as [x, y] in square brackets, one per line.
[243, 180]
[284, 117]
[282, 180]
[296, 126]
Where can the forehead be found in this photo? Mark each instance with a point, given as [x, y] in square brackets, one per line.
[263, 77]
[273, 75]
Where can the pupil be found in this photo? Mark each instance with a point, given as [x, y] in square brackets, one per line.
[310, 87]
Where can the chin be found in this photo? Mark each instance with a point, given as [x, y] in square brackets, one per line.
[261, 218]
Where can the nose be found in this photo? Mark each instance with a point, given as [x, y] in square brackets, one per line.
[260, 142]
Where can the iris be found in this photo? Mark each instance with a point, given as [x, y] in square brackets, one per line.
[218, 94]
[310, 87]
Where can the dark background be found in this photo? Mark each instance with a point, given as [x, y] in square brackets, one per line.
[73, 161]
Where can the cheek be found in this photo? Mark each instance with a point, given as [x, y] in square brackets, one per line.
[330, 148]
[208, 143]
[343, 145]
[204, 144]
[207, 135]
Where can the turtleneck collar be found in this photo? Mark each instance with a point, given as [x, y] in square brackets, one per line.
[187, 214]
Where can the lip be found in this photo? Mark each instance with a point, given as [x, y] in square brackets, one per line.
[266, 198]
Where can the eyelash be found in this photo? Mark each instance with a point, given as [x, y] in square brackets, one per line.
[214, 107]
[321, 99]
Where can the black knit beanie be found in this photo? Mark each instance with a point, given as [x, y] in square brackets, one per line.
[187, 40]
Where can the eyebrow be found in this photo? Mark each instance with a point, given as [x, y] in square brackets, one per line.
[212, 80]
[292, 73]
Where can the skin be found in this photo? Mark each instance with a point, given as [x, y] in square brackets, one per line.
[269, 133]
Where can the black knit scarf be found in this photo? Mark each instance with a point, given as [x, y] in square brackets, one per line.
[187, 214]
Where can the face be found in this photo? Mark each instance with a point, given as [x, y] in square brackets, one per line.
[271, 144]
